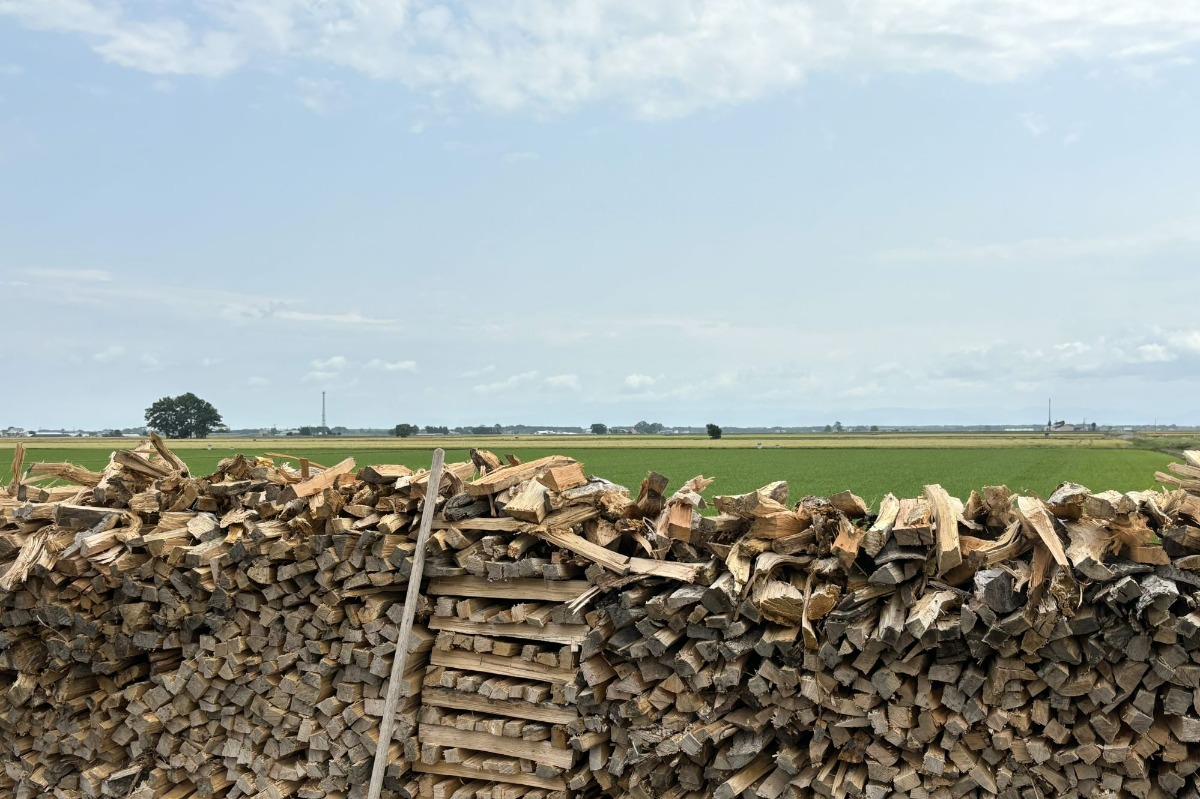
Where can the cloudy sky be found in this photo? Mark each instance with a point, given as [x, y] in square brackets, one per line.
[568, 211]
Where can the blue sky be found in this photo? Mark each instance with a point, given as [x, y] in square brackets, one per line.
[519, 211]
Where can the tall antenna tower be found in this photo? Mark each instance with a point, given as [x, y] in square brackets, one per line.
[323, 426]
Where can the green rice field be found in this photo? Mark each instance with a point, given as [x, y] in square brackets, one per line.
[868, 465]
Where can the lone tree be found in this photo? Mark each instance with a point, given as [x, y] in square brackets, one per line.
[648, 428]
[713, 430]
[405, 430]
[599, 429]
[185, 416]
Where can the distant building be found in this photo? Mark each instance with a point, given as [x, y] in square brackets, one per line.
[13, 432]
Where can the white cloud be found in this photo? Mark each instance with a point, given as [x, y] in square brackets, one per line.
[258, 382]
[1072, 138]
[1155, 353]
[393, 366]
[479, 372]
[1184, 232]
[351, 318]
[658, 57]
[332, 364]
[1071, 348]
[163, 86]
[640, 381]
[319, 376]
[161, 46]
[109, 355]
[569, 382]
[209, 361]
[1034, 123]
[11, 70]
[81, 275]
[320, 95]
[507, 384]
[151, 362]
[1186, 341]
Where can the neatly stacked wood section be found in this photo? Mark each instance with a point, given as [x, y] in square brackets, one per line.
[231, 636]
[500, 692]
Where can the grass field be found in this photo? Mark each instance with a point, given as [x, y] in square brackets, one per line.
[869, 465]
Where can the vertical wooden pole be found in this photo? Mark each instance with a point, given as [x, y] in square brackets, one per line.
[400, 659]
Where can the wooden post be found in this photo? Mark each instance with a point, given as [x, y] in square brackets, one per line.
[400, 659]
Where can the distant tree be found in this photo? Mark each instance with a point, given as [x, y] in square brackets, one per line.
[648, 428]
[185, 416]
[837, 427]
[599, 429]
[874, 428]
[305, 431]
[828, 428]
[1093, 427]
[405, 430]
[437, 431]
[713, 431]
[112, 434]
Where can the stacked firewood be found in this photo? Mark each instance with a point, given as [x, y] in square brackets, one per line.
[230, 636]
[164, 635]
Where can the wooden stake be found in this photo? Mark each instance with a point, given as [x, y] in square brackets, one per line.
[400, 660]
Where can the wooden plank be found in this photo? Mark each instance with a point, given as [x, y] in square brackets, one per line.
[465, 772]
[509, 667]
[567, 634]
[485, 524]
[498, 744]
[512, 708]
[400, 659]
[531, 588]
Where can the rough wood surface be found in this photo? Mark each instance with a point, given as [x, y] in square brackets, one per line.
[165, 635]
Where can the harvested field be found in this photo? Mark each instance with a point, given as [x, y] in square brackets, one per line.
[231, 636]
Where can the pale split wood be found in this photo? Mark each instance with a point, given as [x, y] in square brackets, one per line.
[1039, 522]
[325, 479]
[946, 518]
[17, 462]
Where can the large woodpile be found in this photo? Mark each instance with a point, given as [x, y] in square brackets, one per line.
[229, 636]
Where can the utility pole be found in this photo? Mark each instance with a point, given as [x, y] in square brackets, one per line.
[1049, 416]
[323, 427]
